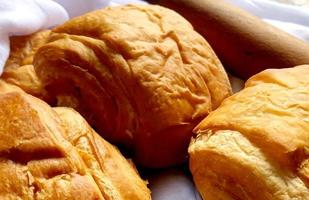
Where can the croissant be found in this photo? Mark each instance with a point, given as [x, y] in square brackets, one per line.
[255, 145]
[140, 75]
[48, 154]
[18, 69]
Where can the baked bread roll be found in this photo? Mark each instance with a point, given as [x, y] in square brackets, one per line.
[139, 74]
[255, 145]
[18, 69]
[47, 157]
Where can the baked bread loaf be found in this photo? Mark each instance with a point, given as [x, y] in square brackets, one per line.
[255, 145]
[18, 69]
[48, 156]
[139, 74]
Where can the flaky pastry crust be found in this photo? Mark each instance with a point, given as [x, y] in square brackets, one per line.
[56, 155]
[255, 145]
[139, 74]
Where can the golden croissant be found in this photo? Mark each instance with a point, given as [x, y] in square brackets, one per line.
[140, 75]
[49, 154]
[256, 144]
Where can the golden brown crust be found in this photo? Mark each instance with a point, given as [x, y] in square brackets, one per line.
[255, 145]
[112, 173]
[37, 160]
[25, 78]
[18, 69]
[139, 74]
[6, 87]
[23, 48]
[33, 151]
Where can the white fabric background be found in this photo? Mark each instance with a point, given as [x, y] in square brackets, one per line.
[292, 19]
[21, 17]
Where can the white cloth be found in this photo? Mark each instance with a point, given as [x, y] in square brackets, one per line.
[292, 19]
[79, 7]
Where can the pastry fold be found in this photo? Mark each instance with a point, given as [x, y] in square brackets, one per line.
[47, 155]
[140, 75]
[255, 145]
[18, 69]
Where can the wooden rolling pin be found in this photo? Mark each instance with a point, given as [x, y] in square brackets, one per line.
[244, 43]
